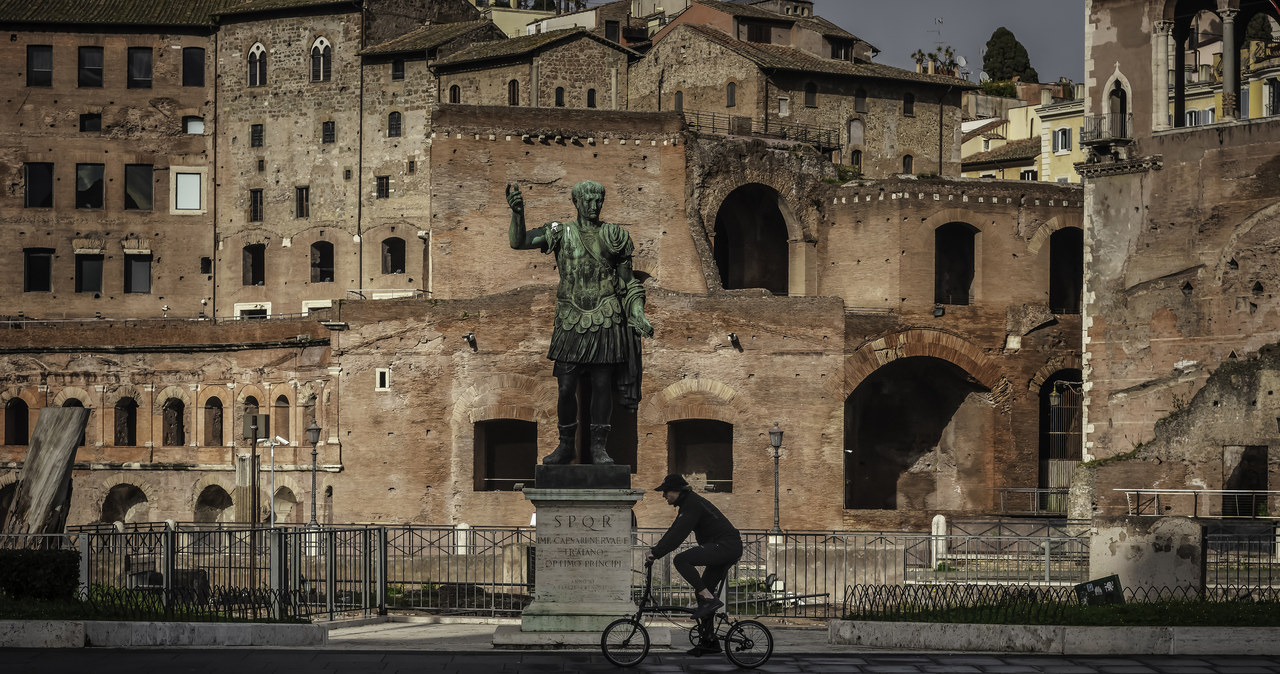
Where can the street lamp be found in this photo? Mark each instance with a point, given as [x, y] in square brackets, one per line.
[775, 440]
[313, 436]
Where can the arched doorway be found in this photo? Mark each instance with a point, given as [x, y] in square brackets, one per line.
[286, 507]
[213, 505]
[911, 432]
[954, 246]
[75, 402]
[750, 245]
[1066, 270]
[124, 503]
[1061, 444]
[16, 420]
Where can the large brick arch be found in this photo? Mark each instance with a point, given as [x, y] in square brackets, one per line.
[919, 342]
[665, 405]
[1067, 362]
[69, 393]
[506, 396]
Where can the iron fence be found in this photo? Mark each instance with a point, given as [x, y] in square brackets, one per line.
[1246, 563]
[719, 123]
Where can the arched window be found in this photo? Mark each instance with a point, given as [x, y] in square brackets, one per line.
[953, 263]
[321, 60]
[126, 430]
[860, 100]
[559, 97]
[909, 104]
[213, 422]
[124, 503]
[1118, 109]
[855, 159]
[750, 244]
[679, 101]
[213, 504]
[702, 449]
[393, 125]
[810, 95]
[1066, 270]
[455, 94]
[280, 420]
[249, 408]
[591, 98]
[730, 94]
[253, 259]
[16, 420]
[908, 164]
[393, 255]
[513, 92]
[75, 402]
[258, 66]
[175, 432]
[322, 262]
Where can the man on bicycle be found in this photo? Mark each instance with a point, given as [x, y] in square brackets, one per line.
[719, 547]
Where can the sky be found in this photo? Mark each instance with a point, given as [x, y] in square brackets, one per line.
[1051, 30]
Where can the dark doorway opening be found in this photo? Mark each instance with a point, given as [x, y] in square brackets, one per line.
[75, 402]
[1066, 270]
[126, 425]
[702, 447]
[124, 503]
[175, 428]
[212, 504]
[1061, 413]
[1244, 481]
[953, 266]
[506, 450]
[751, 240]
[16, 420]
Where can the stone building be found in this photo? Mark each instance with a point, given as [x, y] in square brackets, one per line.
[1180, 228]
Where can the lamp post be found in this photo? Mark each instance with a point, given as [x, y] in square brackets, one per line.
[313, 436]
[775, 440]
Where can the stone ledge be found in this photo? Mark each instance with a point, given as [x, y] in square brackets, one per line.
[1056, 639]
[78, 634]
[511, 636]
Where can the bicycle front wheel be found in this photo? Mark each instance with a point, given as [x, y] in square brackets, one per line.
[625, 642]
[748, 644]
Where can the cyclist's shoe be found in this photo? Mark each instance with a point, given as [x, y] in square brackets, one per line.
[704, 648]
[706, 608]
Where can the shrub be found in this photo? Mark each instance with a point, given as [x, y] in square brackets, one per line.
[39, 574]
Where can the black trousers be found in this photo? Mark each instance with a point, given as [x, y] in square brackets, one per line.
[717, 557]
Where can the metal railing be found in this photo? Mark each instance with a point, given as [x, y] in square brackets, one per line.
[23, 322]
[1223, 503]
[1107, 128]
[1032, 501]
[1243, 564]
[719, 123]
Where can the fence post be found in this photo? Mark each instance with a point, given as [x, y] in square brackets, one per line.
[381, 551]
[279, 568]
[83, 543]
[168, 550]
[1048, 546]
[330, 569]
[937, 542]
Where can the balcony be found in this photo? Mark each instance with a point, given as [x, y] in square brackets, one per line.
[1107, 129]
[822, 138]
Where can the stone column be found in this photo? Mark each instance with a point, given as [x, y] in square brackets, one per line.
[1160, 107]
[1230, 66]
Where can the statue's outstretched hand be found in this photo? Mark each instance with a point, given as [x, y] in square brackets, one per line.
[514, 199]
[642, 326]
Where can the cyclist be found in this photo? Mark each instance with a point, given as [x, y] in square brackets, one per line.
[719, 547]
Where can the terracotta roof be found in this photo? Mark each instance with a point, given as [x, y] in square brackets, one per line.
[112, 12]
[525, 44]
[1014, 150]
[426, 37]
[821, 26]
[234, 7]
[746, 10]
[978, 131]
[778, 57]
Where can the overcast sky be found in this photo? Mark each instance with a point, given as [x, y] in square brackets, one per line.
[1051, 30]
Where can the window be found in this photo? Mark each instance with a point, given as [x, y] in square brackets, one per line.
[302, 202]
[39, 179]
[1062, 140]
[860, 100]
[1066, 270]
[513, 93]
[730, 94]
[397, 69]
[281, 417]
[953, 263]
[138, 190]
[1029, 174]
[1192, 117]
[88, 272]
[213, 422]
[393, 255]
[17, 417]
[37, 276]
[986, 144]
[559, 97]
[908, 164]
[89, 71]
[89, 186]
[393, 125]
[506, 450]
[841, 50]
[75, 402]
[322, 262]
[413, 167]
[810, 95]
[187, 188]
[591, 98]
[702, 448]
[90, 122]
[382, 379]
[612, 30]
[175, 431]
[383, 186]
[126, 434]
[321, 60]
[455, 94]
[137, 273]
[679, 101]
[258, 66]
[327, 132]
[262, 165]
[909, 104]
[139, 76]
[855, 159]
[255, 205]
[253, 264]
[784, 106]
[193, 125]
[758, 32]
[39, 65]
[193, 66]
[206, 265]
[256, 135]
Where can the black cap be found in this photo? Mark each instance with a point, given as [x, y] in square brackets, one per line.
[673, 482]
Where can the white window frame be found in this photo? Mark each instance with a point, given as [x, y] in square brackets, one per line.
[190, 120]
[382, 379]
[241, 307]
[309, 305]
[174, 177]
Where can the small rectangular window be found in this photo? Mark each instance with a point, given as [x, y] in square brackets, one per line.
[302, 201]
[137, 274]
[39, 65]
[612, 31]
[256, 135]
[193, 125]
[39, 179]
[255, 205]
[90, 122]
[397, 69]
[413, 166]
[187, 192]
[89, 185]
[383, 186]
[88, 272]
[206, 265]
[346, 174]
[90, 67]
[139, 68]
[382, 379]
[327, 132]
[758, 32]
[38, 270]
[262, 165]
[192, 67]
[138, 190]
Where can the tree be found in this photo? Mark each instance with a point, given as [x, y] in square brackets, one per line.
[1259, 28]
[1006, 58]
[942, 55]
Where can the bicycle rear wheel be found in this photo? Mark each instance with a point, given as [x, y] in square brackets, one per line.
[625, 642]
[748, 644]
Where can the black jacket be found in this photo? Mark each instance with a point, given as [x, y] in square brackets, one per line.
[698, 515]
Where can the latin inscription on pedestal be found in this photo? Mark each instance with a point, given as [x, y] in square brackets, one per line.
[578, 550]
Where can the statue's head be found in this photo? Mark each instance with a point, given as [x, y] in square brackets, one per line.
[588, 197]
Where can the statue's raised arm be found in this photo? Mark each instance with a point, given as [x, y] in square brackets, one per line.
[516, 234]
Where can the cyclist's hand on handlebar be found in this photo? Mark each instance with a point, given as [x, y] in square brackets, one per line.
[648, 558]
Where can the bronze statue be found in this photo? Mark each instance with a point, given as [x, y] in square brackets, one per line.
[599, 315]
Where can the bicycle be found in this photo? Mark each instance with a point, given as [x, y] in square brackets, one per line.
[625, 642]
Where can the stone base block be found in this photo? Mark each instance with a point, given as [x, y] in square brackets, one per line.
[512, 637]
[571, 616]
[582, 476]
